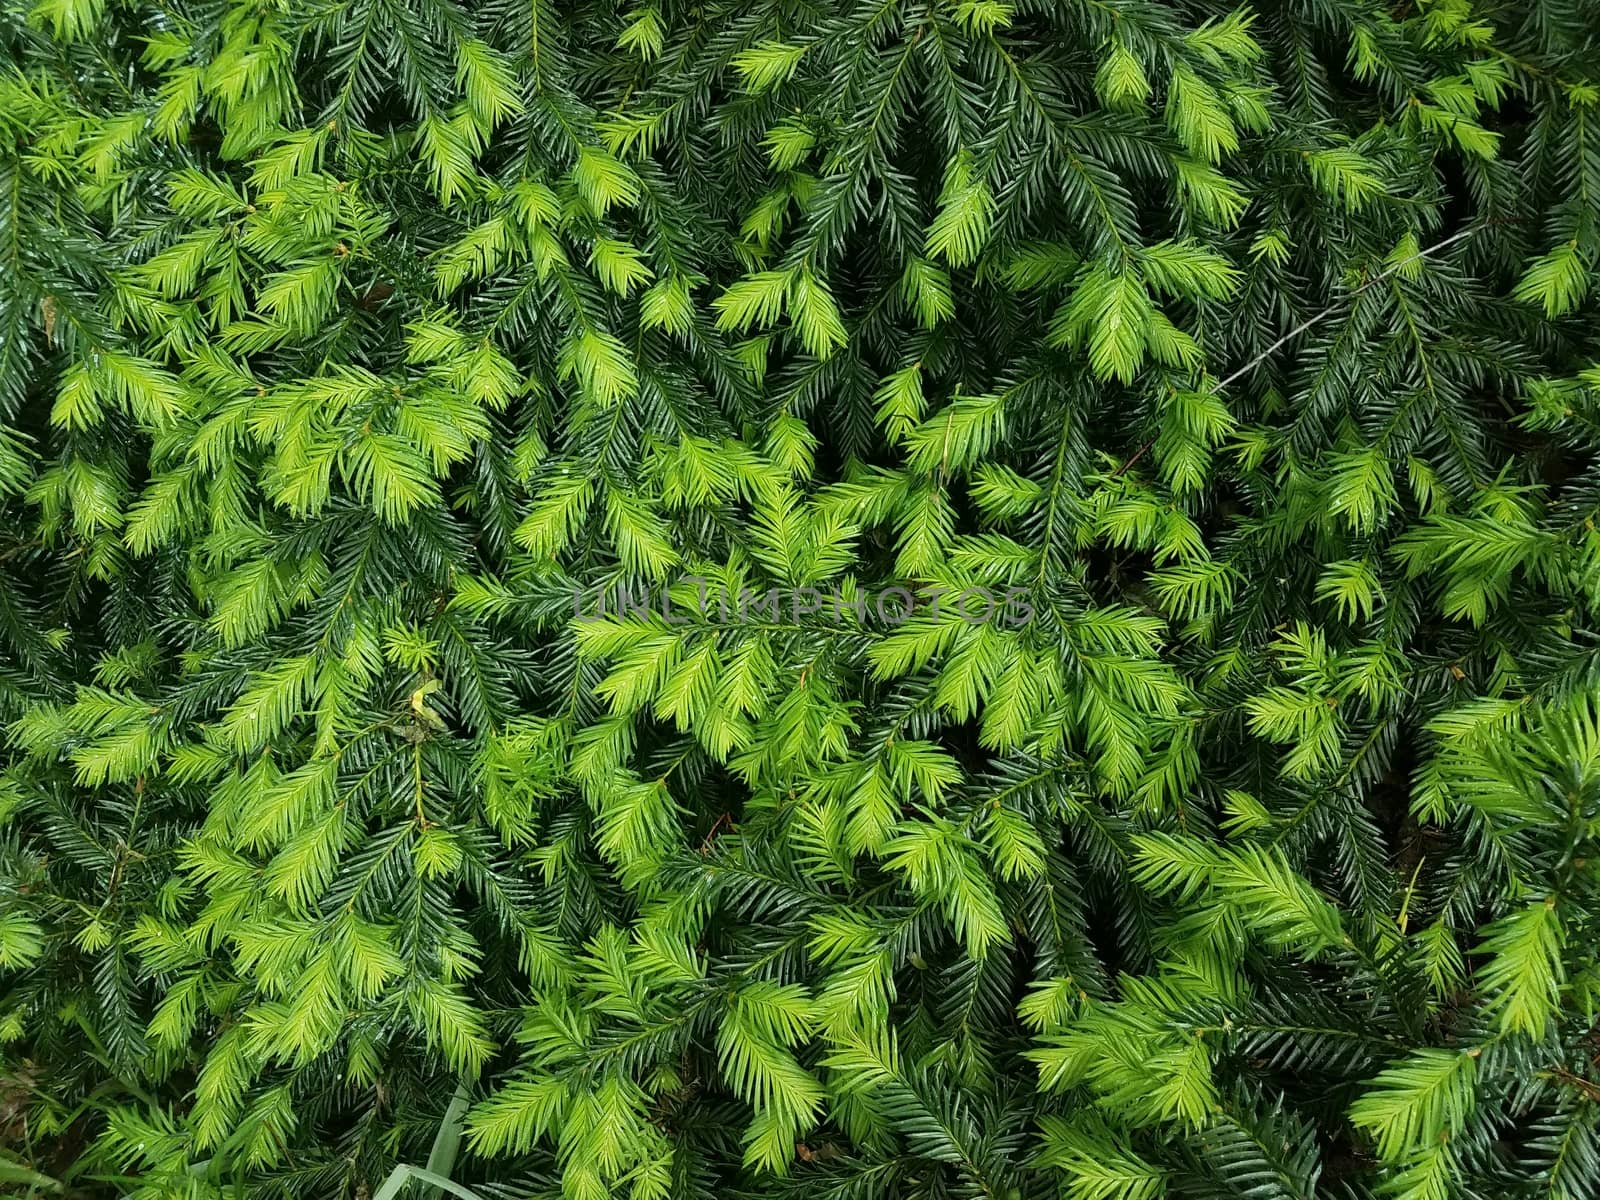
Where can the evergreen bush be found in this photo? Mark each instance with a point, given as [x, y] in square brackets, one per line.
[898, 600]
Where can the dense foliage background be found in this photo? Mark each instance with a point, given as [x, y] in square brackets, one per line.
[343, 341]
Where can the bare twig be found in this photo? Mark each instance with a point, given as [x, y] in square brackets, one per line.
[1311, 321]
